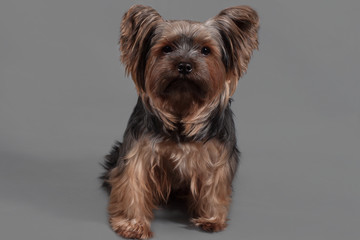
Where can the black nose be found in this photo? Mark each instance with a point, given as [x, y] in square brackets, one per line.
[184, 68]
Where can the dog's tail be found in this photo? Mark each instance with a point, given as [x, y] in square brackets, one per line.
[111, 161]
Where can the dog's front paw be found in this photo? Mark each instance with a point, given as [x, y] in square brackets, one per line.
[210, 224]
[132, 229]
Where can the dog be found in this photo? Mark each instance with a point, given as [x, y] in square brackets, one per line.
[180, 138]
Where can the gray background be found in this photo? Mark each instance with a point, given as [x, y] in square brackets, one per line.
[64, 100]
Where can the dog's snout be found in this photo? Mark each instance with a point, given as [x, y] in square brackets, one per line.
[184, 68]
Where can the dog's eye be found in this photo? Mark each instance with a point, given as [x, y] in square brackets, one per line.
[205, 50]
[167, 49]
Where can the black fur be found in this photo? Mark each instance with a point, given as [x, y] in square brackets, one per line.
[142, 122]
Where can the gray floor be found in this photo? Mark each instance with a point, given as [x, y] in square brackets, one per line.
[64, 100]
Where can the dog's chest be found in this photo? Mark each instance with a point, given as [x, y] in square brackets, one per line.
[187, 158]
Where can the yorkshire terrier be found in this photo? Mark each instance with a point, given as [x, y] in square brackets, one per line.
[181, 136]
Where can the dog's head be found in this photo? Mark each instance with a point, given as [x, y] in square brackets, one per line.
[183, 67]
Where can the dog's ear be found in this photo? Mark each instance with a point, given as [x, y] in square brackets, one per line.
[137, 29]
[238, 27]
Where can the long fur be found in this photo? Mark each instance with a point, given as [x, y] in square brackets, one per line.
[181, 134]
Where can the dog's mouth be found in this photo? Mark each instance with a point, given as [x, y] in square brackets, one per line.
[185, 86]
[181, 95]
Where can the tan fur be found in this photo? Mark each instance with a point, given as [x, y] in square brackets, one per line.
[196, 113]
[241, 23]
[155, 167]
[189, 152]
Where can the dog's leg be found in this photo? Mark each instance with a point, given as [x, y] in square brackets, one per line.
[131, 198]
[210, 203]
